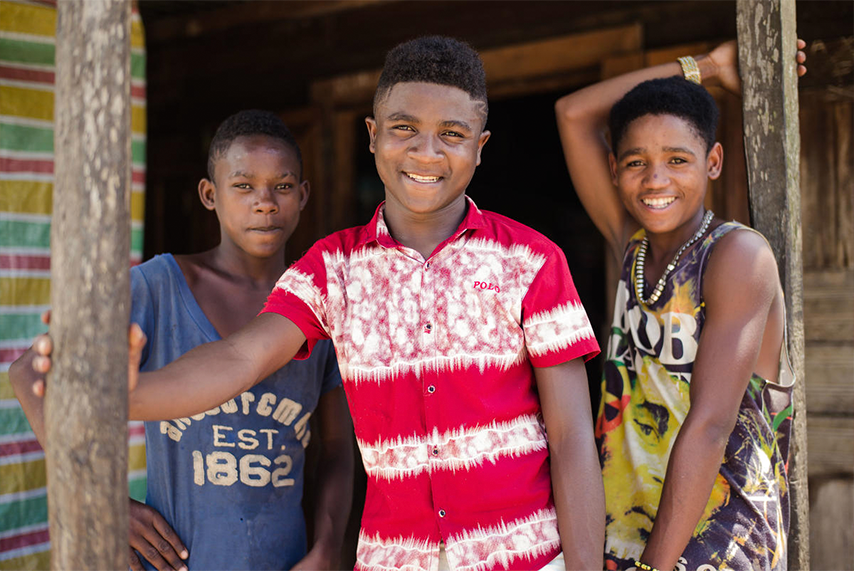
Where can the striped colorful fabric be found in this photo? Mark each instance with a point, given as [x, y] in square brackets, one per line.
[27, 30]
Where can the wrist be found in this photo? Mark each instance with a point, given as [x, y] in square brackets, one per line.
[708, 69]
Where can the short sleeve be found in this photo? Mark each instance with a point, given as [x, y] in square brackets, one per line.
[556, 326]
[299, 295]
[331, 374]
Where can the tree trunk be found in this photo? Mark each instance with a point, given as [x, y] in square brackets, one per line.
[766, 49]
[86, 405]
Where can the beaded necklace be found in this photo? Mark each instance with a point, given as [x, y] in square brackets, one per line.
[659, 287]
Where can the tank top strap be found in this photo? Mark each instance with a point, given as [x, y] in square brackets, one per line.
[707, 246]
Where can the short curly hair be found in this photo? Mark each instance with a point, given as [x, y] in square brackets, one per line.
[666, 96]
[434, 59]
[246, 124]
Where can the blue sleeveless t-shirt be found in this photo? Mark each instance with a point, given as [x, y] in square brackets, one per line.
[228, 481]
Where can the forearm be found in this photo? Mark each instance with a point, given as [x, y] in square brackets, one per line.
[22, 376]
[199, 380]
[334, 498]
[694, 464]
[579, 499]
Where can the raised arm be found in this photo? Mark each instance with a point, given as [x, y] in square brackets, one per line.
[740, 290]
[213, 373]
[576, 478]
[582, 118]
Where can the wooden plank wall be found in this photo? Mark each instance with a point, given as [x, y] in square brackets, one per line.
[827, 191]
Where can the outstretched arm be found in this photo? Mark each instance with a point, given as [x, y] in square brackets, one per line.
[213, 373]
[334, 495]
[741, 284]
[576, 478]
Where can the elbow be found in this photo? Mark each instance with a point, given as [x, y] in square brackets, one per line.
[569, 110]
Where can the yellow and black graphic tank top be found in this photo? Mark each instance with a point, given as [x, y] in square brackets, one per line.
[645, 399]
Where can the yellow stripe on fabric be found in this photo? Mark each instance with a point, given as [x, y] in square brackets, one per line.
[29, 103]
[137, 206]
[33, 562]
[6, 391]
[137, 119]
[137, 33]
[136, 457]
[24, 291]
[22, 477]
[26, 196]
[28, 19]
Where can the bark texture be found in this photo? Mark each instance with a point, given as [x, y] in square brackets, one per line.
[766, 49]
[86, 405]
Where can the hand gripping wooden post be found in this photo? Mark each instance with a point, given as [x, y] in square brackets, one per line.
[86, 403]
[766, 55]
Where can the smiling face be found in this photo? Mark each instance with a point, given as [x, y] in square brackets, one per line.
[661, 170]
[257, 195]
[426, 139]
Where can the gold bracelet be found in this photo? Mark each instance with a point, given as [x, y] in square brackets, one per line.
[638, 563]
[690, 70]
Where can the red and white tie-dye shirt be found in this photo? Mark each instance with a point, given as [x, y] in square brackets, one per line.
[436, 357]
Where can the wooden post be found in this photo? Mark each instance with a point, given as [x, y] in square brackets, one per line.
[766, 50]
[86, 404]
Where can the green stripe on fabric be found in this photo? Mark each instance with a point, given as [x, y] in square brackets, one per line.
[137, 66]
[20, 234]
[13, 421]
[22, 51]
[136, 236]
[137, 152]
[20, 326]
[24, 138]
[137, 489]
[23, 513]
[782, 416]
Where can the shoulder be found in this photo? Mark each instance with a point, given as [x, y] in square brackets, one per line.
[158, 269]
[514, 234]
[741, 261]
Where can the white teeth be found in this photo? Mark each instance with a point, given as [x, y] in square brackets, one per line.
[419, 178]
[658, 202]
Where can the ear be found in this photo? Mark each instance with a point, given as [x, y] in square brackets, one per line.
[207, 193]
[612, 166]
[715, 161]
[305, 190]
[372, 133]
[481, 141]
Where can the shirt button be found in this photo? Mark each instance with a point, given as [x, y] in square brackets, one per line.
[435, 451]
[427, 265]
[431, 389]
[428, 327]
[441, 513]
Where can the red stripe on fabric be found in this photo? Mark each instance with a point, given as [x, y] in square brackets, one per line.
[22, 262]
[136, 430]
[26, 165]
[9, 355]
[24, 540]
[138, 176]
[21, 447]
[137, 91]
[35, 75]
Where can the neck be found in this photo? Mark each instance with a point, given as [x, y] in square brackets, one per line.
[238, 264]
[665, 246]
[423, 232]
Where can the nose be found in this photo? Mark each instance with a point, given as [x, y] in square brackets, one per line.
[656, 176]
[426, 148]
[265, 201]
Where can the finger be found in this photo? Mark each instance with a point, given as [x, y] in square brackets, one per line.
[153, 556]
[134, 562]
[802, 70]
[174, 542]
[41, 364]
[46, 317]
[38, 388]
[801, 44]
[43, 345]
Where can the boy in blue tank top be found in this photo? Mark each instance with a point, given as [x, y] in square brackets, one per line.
[225, 486]
[695, 411]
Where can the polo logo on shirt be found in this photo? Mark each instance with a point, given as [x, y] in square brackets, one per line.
[487, 286]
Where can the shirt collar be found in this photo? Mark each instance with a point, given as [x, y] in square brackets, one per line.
[377, 231]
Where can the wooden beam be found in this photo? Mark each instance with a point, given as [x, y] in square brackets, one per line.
[86, 404]
[766, 49]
